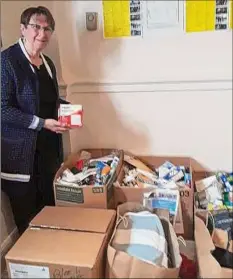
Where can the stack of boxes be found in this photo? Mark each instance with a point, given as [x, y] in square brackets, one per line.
[70, 239]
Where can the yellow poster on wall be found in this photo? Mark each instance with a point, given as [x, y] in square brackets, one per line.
[116, 18]
[122, 18]
[208, 15]
[200, 15]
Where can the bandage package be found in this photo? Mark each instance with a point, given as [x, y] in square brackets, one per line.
[71, 115]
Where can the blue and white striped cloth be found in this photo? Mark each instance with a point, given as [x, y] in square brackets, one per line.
[141, 235]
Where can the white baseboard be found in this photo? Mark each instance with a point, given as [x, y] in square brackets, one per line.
[6, 246]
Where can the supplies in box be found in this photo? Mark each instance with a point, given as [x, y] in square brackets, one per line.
[162, 181]
[91, 171]
[168, 176]
[143, 245]
[86, 178]
[215, 191]
[214, 204]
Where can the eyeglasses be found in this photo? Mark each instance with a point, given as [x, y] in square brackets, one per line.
[38, 28]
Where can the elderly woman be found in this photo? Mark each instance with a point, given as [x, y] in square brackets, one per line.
[31, 135]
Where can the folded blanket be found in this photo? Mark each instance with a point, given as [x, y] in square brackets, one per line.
[141, 235]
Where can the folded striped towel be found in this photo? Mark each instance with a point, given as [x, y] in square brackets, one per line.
[141, 235]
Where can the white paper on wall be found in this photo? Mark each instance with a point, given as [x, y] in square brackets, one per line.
[162, 13]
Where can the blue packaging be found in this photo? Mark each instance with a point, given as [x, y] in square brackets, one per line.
[224, 180]
[98, 178]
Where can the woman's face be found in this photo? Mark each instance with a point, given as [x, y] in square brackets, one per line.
[37, 33]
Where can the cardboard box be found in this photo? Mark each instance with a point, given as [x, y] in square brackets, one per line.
[124, 194]
[63, 242]
[207, 265]
[200, 175]
[86, 196]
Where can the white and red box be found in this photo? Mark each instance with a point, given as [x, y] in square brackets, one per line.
[71, 115]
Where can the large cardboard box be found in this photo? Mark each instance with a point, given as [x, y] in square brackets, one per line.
[126, 194]
[86, 196]
[207, 265]
[63, 242]
[200, 175]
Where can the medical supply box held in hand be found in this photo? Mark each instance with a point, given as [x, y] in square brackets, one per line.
[71, 115]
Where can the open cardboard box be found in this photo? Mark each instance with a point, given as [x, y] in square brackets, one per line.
[208, 266]
[86, 196]
[63, 242]
[126, 194]
[200, 175]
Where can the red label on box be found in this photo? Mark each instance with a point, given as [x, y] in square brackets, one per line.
[71, 115]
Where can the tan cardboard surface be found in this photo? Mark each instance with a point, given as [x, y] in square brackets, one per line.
[208, 266]
[57, 247]
[74, 218]
[67, 242]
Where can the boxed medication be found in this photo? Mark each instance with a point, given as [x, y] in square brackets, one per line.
[71, 115]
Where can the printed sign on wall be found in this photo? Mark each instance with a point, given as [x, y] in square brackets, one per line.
[122, 18]
[208, 15]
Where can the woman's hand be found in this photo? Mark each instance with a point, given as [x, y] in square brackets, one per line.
[55, 126]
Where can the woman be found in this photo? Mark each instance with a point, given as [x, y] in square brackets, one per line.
[31, 135]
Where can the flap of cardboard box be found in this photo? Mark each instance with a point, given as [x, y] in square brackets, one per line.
[157, 161]
[202, 234]
[208, 266]
[74, 219]
[57, 247]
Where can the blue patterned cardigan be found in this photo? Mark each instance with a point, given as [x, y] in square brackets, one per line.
[19, 106]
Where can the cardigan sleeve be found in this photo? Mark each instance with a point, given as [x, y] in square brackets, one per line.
[10, 114]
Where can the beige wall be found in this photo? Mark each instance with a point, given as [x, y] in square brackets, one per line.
[10, 26]
[8, 229]
[168, 94]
